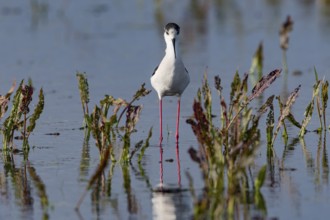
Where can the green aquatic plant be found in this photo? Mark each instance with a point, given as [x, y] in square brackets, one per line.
[320, 97]
[10, 124]
[106, 126]
[324, 89]
[227, 149]
[84, 91]
[257, 90]
[285, 110]
[104, 122]
[19, 118]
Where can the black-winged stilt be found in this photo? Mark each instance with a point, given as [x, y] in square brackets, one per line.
[170, 77]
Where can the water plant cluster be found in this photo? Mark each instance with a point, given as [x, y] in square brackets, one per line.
[228, 145]
[104, 123]
[230, 139]
[19, 123]
[19, 119]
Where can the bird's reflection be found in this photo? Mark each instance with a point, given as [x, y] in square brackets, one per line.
[170, 201]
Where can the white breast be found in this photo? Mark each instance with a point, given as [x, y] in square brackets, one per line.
[171, 78]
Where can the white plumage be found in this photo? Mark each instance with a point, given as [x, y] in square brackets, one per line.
[171, 77]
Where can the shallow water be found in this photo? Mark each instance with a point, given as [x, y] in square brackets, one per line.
[118, 44]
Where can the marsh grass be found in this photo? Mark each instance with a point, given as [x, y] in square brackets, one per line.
[228, 144]
[104, 122]
[19, 118]
[320, 97]
[106, 126]
[227, 148]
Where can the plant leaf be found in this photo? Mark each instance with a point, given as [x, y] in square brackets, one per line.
[37, 112]
[4, 100]
[309, 109]
[286, 110]
[264, 83]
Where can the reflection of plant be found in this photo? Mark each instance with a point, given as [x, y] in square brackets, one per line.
[20, 183]
[41, 190]
[18, 118]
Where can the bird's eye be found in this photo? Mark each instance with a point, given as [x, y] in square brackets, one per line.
[166, 32]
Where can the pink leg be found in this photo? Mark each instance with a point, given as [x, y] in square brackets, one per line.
[161, 120]
[161, 164]
[178, 164]
[177, 122]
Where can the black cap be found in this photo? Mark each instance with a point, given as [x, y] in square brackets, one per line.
[172, 25]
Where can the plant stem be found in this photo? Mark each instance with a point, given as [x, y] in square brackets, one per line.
[24, 129]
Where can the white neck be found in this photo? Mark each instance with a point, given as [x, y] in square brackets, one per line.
[170, 48]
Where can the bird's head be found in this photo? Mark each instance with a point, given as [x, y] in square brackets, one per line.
[171, 33]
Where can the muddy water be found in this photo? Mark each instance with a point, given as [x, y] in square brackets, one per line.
[119, 44]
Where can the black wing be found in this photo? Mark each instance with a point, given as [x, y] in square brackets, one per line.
[155, 70]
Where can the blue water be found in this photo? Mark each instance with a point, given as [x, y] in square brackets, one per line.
[118, 44]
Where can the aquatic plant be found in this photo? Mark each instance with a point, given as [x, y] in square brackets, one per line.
[4, 100]
[285, 110]
[84, 91]
[104, 121]
[320, 94]
[227, 150]
[18, 119]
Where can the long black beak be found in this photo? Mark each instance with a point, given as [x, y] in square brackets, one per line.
[173, 41]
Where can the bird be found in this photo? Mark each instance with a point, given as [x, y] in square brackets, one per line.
[170, 77]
